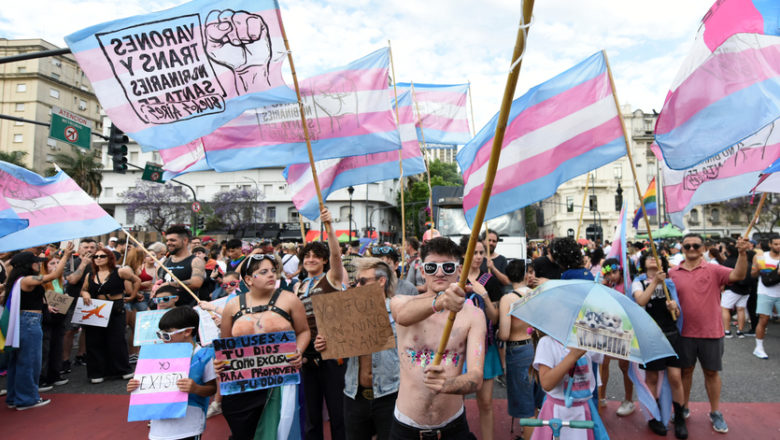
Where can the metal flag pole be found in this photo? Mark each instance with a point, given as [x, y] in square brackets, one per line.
[424, 149]
[636, 181]
[306, 136]
[582, 208]
[495, 153]
[400, 166]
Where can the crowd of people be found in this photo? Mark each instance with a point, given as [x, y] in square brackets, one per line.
[398, 393]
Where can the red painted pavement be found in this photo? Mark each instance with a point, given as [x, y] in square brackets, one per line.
[103, 416]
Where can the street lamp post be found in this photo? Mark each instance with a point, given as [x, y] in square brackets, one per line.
[350, 190]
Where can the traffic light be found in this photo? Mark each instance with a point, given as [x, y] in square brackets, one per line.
[117, 149]
[200, 223]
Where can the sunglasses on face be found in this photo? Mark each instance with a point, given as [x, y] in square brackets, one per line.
[163, 299]
[447, 267]
[382, 250]
[166, 336]
[688, 246]
[612, 267]
[363, 281]
[100, 256]
[230, 284]
[261, 257]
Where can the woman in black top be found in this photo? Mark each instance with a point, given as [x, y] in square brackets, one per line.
[24, 367]
[107, 346]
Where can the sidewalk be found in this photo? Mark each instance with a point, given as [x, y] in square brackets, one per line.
[103, 417]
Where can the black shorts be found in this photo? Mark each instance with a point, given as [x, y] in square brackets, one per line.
[672, 361]
[709, 352]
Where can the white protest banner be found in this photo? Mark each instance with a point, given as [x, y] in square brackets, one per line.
[96, 314]
[207, 328]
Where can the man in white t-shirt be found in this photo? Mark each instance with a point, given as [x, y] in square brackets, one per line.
[677, 256]
[765, 267]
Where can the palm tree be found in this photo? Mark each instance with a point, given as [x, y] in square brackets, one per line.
[14, 157]
[83, 168]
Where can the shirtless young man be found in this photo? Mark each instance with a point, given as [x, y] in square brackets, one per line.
[430, 398]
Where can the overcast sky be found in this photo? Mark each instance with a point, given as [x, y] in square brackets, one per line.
[444, 41]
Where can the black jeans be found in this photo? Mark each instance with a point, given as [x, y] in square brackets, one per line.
[242, 412]
[364, 418]
[53, 334]
[323, 380]
[457, 429]
[107, 347]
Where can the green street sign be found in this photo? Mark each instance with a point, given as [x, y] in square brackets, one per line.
[153, 172]
[71, 128]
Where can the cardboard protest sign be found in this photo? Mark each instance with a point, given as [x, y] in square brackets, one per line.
[146, 325]
[158, 369]
[355, 321]
[207, 328]
[96, 314]
[59, 301]
[255, 362]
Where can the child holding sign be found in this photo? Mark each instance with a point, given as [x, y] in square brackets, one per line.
[179, 325]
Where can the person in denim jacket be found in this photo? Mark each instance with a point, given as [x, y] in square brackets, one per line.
[371, 381]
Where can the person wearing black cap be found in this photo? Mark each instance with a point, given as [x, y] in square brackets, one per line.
[24, 368]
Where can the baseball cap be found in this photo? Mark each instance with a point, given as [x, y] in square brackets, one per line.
[113, 239]
[25, 258]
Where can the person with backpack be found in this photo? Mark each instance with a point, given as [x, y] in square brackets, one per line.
[765, 267]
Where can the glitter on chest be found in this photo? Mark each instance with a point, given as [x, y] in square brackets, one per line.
[424, 357]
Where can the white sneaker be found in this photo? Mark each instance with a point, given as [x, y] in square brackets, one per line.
[625, 408]
[39, 403]
[760, 353]
[96, 380]
[215, 408]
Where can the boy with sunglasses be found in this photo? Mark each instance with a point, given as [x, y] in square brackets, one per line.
[165, 297]
[430, 397]
[180, 325]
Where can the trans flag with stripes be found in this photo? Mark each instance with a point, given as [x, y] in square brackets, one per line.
[729, 174]
[334, 174]
[559, 130]
[169, 77]
[158, 368]
[728, 87]
[183, 159]
[348, 112]
[55, 207]
[442, 117]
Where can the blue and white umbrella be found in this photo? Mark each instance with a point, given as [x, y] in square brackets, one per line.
[593, 317]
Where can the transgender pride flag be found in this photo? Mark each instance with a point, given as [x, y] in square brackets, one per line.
[56, 208]
[442, 112]
[335, 174]
[559, 130]
[728, 87]
[348, 112]
[183, 159]
[619, 249]
[169, 77]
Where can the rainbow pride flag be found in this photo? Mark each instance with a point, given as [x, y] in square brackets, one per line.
[649, 202]
[9, 318]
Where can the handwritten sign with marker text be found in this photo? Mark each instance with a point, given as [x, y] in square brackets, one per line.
[256, 362]
[355, 321]
[96, 314]
[158, 369]
[59, 301]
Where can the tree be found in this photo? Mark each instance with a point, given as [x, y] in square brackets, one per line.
[416, 193]
[160, 204]
[237, 208]
[742, 212]
[14, 157]
[84, 168]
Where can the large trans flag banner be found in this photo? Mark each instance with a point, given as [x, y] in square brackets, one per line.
[560, 129]
[442, 116]
[169, 77]
[729, 174]
[335, 174]
[55, 208]
[728, 87]
[348, 112]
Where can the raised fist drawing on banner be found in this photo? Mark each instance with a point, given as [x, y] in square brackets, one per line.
[240, 41]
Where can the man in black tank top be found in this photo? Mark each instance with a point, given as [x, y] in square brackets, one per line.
[189, 269]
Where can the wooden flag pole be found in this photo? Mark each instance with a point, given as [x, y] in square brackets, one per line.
[306, 136]
[636, 181]
[146, 251]
[471, 106]
[495, 153]
[424, 149]
[582, 208]
[303, 229]
[400, 166]
[755, 217]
